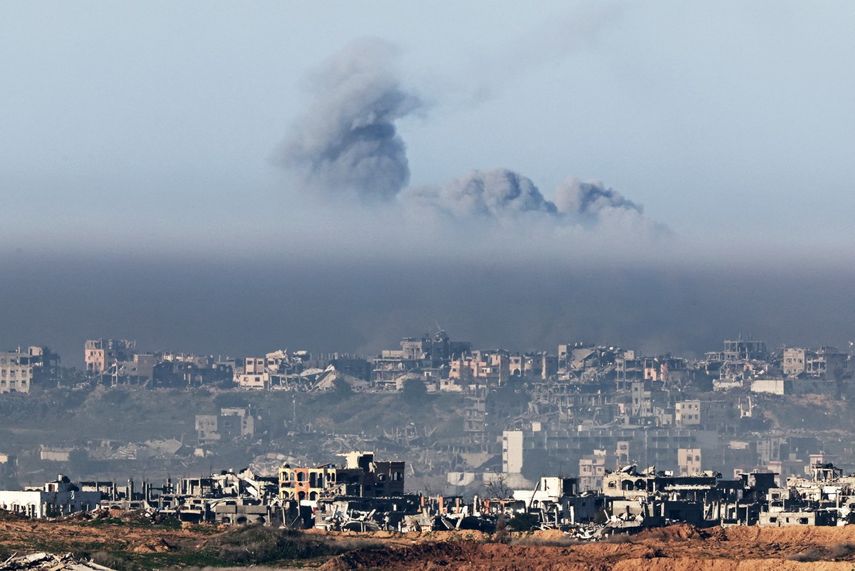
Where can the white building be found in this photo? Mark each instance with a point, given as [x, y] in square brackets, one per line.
[512, 451]
[771, 386]
[548, 489]
[51, 500]
[55, 454]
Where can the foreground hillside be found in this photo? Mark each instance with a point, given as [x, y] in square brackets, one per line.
[678, 548]
[129, 543]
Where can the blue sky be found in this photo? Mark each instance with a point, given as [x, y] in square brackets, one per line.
[147, 120]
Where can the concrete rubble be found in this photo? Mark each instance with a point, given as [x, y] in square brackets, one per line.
[43, 561]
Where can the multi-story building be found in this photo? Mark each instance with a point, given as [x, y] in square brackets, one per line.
[54, 499]
[192, 372]
[101, 354]
[262, 373]
[360, 476]
[512, 451]
[16, 372]
[665, 368]
[689, 461]
[232, 423]
[592, 468]
[475, 415]
[255, 374]
[737, 349]
[687, 413]
[794, 361]
[826, 363]
[429, 355]
[19, 369]
[491, 366]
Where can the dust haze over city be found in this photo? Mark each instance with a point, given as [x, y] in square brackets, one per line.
[501, 209]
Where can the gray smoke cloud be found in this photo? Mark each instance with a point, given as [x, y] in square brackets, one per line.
[347, 141]
[587, 201]
[507, 197]
[494, 193]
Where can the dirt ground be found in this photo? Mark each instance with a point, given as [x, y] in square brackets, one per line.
[676, 548]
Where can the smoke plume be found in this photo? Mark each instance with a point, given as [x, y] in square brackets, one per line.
[494, 194]
[347, 141]
[587, 201]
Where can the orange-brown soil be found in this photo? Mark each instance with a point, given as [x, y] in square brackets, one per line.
[676, 548]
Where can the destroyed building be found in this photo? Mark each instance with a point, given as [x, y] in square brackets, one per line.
[230, 424]
[53, 499]
[99, 355]
[360, 476]
[20, 369]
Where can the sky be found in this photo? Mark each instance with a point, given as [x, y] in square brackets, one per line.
[150, 134]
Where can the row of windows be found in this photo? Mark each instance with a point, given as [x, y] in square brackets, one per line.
[13, 386]
[25, 373]
[301, 496]
[301, 476]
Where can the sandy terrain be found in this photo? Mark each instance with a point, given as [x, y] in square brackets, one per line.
[676, 548]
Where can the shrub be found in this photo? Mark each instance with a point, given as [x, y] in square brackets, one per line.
[258, 544]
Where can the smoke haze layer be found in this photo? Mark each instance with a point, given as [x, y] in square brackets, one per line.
[250, 306]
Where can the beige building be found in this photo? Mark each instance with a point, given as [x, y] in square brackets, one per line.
[16, 372]
[482, 365]
[255, 381]
[794, 361]
[592, 468]
[689, 461]
[100, 354]
[361, 476]
[55, 454]
[687, 413]
[301, 483]
[258, 372]
[255, 374]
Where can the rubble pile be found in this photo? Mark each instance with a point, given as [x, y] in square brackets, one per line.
[44, 561]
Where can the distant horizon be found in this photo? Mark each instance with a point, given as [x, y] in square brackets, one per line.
[246, 308]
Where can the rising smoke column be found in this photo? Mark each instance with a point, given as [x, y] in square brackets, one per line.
[347, 141]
